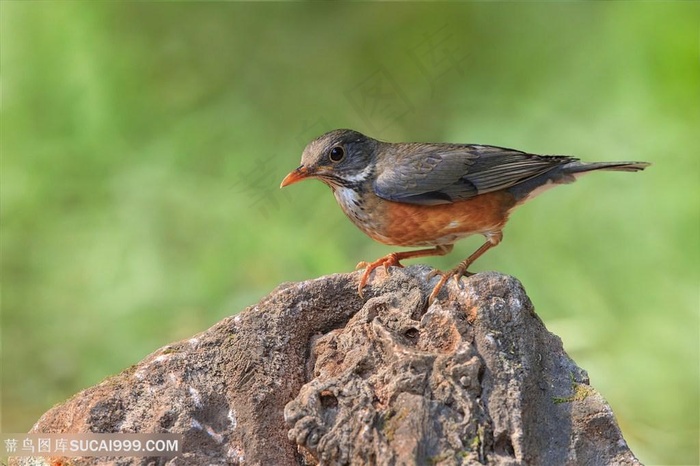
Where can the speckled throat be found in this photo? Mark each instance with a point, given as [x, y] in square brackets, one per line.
[361, 205]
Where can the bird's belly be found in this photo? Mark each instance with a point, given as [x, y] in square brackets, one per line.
[402, 224]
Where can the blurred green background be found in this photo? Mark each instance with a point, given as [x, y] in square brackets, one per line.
[143, 145]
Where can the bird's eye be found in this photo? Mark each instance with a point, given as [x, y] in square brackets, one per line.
[336, 154]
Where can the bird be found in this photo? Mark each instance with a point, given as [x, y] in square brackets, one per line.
[431, 195]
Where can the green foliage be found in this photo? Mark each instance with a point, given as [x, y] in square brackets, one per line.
[143, 145]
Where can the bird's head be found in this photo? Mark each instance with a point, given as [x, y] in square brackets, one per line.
[340, 158]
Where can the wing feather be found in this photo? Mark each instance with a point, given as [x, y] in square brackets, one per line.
[443, 173]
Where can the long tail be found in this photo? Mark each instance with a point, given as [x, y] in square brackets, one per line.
[581, 167]
[567, 173]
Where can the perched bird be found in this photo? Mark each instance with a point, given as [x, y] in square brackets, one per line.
[424, 194]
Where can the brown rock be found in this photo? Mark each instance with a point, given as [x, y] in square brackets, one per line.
[314, 374]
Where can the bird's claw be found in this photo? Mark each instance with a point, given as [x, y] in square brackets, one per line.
[361, 265]
[390, 260]
[458, 272]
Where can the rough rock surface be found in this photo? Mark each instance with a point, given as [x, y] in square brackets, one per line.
[315, 374]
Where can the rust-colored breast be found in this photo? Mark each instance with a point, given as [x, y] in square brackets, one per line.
[402, 224]
[419, 225]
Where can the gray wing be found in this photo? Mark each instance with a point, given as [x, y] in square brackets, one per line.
[443, 173]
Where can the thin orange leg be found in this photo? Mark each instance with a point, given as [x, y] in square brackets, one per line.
[462, 267]
[394, 258]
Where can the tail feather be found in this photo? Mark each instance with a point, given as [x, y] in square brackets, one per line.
[580, 167]
[567, 173]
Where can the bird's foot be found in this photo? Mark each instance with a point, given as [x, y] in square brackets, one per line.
[458, 272]
[390, 260]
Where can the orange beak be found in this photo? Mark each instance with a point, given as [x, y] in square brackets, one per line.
[297, 175]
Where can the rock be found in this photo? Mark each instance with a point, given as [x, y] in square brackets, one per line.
[315, 374]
